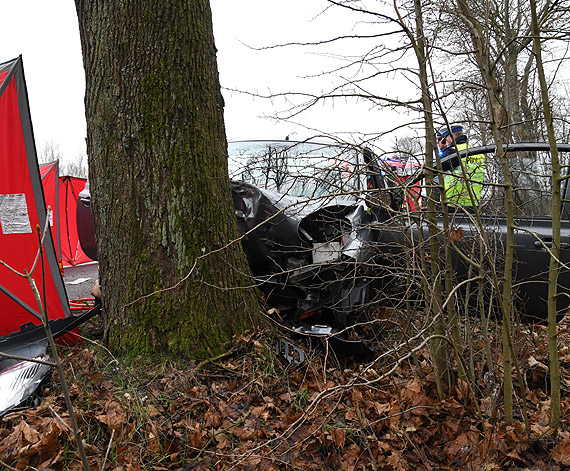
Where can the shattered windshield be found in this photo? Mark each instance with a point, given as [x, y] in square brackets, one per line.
[299, 169]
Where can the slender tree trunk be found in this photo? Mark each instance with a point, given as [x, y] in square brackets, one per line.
[495, 110]
[505, 296]
[158, 171]
[555, 254]
[439, 348]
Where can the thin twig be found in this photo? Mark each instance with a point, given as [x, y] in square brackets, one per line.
[108, 450]
[7, 466]
[210, 360]
[55, 354]
[60, 419]
[31, 360]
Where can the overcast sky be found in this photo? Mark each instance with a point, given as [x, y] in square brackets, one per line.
[46, 34]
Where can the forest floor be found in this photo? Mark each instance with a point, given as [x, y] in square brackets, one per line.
[251, 410]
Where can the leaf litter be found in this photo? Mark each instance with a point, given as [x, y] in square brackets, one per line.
[251, 410]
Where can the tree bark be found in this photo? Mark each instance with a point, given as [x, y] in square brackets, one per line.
[158, 171]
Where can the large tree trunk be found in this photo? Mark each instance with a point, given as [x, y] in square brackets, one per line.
[158, 172]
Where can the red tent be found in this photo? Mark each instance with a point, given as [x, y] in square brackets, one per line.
[69, 189]
[62, 198]
[50, 175]
[22, 209]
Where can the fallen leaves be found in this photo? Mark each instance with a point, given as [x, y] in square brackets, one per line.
[250, 412]
[36, 445]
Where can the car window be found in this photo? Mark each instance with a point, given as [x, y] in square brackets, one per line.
[308, 170]
[532, 183]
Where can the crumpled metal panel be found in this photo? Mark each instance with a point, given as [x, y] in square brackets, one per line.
[19, 381]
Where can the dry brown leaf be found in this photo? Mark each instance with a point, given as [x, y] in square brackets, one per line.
[339, 437]
[49, 444]
[456, 235]
[212, 419]
[291, 416]
[245, 432]
[28, 434]
[286, 397]
[561, 453]
[395, 417]
[382, 408]
[267, 465]
[540, 431]
[458, 447]
[415, 385]
[115, 416]
[251, 464]
[396, 460]
[75, 390]
[259, 411]
[223, 442]
[351, 456]
[513, 455]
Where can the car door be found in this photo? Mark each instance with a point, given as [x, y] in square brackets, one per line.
[530, 166]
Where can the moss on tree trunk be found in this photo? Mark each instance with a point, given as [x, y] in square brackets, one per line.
[158, 170]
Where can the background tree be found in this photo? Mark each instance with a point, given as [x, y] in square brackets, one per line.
[157, 160]
[50, 152]
[76, 167]
[509, 39]
[555, 409]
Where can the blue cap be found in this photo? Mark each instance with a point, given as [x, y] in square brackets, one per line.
[445, 130]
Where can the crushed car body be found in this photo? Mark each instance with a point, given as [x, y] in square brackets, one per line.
[306, 227]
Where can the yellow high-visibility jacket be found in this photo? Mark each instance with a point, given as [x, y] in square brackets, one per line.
[455, 184]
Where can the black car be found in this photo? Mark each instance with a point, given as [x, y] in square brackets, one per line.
[530, 165]
[306, 221]
[328, 228]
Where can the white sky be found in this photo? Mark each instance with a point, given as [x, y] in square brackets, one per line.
[259, 23]
[46, 34]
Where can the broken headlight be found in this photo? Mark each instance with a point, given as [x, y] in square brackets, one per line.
[329, 230]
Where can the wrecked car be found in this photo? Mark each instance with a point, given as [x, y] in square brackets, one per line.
[303, 214]
[305, 224]
[336, 241]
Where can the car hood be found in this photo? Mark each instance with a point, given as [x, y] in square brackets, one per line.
[298, 207]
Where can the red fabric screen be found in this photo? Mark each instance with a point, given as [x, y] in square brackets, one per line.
[22, 209]
[69, 189]
[49, 174]
[63, 201]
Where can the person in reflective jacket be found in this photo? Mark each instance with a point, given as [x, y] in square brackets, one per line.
[455, 187]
